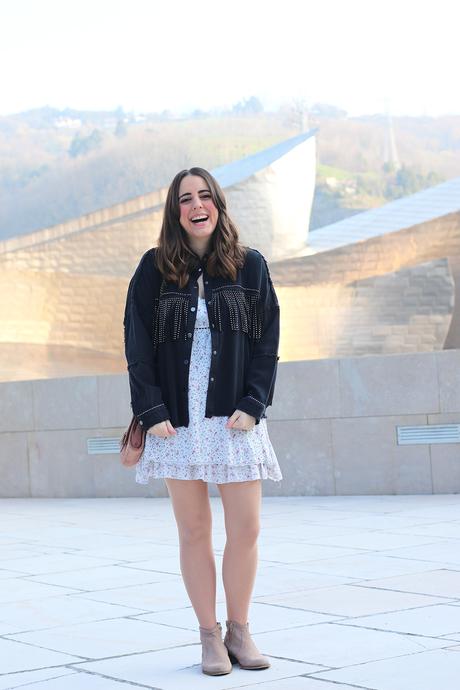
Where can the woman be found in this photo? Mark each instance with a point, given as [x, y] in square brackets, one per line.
[201, 340]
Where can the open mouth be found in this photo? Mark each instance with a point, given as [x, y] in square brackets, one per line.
[200, 219]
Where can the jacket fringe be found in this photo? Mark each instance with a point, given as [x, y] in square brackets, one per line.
[170, 318]
[237, 309]
[232, 308]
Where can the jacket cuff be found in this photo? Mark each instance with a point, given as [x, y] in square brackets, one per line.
[251, 406]
[153, 415]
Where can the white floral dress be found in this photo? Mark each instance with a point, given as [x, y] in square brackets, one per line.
[206, 449]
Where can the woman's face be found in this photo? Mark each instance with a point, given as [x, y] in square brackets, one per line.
[198, 214]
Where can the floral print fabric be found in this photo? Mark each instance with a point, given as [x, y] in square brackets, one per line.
[206, 449]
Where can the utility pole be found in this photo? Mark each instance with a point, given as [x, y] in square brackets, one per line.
[390, 153]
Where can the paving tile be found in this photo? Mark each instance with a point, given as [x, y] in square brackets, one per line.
[440, 582]
[102, 578]
[30, 679]
[295, 552]
[165, 564]
[299, 683]
[23, 589]
[53, 611]
[262, 618]
[16, 657]
[365, 566]
[334, 645]
[372, 540]
[151, 597]
[436, 621]
[108, 638]
[350, 600]
[275, 529]
[373, 520]
[436, 512]
[444, 530]
[7, 574]
[77, 681]
[53, 563]
[12, 551]
[175, 669]
[130, 553]
[428, 670]
[276, 579]
[445, 552]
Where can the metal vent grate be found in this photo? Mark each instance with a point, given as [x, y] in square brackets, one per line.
[431, 433]
[102, 446]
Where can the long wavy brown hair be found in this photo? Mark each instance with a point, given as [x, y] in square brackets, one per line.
[174, 256]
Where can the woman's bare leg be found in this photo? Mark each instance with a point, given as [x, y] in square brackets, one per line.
[241, 501]
[192, 511]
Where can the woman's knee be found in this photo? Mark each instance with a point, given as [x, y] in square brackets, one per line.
[192, 509]
[195, 532]
[244, 532]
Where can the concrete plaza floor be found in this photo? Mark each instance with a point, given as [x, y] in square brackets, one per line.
[351, 591]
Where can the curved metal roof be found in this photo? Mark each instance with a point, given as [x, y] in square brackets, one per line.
[240, 170]
[421, 207]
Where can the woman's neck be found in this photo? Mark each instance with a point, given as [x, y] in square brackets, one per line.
[200, 250]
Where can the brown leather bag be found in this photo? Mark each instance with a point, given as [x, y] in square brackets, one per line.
[132, 443]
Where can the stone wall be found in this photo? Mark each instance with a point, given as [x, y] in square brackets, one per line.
[389, 294]
[333, 426]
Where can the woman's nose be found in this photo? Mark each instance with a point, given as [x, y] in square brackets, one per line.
[196, 202]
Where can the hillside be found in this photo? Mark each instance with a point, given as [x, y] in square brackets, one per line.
[56, 165]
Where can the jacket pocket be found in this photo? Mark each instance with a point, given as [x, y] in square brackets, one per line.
[171, 314]
[237, 308]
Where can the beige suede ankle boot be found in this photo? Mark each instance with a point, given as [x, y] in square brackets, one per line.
[214, 655]
[241, 647]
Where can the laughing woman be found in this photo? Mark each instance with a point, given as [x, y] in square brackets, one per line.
[201, 329]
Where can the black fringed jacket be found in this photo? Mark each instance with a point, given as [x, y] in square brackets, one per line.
[159, 323]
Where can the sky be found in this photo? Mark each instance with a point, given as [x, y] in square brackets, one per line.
[149, 55]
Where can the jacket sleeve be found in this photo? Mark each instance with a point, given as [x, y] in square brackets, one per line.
[138, 323]
[260, 381]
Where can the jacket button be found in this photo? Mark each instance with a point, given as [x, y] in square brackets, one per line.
[141, 422]
[214, 352]
[213, 325]
[185, 361]
[206, 282]
[209, 302]
[212, 378]
[192, 308]
[189, 335]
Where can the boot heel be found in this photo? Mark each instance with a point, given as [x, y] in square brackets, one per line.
[232, 658]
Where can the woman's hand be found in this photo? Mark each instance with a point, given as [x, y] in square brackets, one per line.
[241, 420]
[163, 429]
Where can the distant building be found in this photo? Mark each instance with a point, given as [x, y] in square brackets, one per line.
[67, 123]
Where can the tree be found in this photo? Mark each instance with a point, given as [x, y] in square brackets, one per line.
[297, 115]
[80, 146]
[120, 130]
[326, 110]
[248, 106]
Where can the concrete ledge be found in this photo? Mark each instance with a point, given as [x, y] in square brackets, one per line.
[333, 426]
